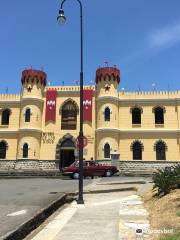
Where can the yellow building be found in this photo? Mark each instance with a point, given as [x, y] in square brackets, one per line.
[39, 127]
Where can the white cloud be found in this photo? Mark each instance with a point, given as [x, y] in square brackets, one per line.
[165, 37]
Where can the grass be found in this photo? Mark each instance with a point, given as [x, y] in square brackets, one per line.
[171, 237]
[164, 213]
[178, 213]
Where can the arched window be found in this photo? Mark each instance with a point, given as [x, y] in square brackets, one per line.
[159, 115]
[5, 117]
[137, 148]
[28, 115]
[160, 148]
[107, 114]
[136, 115]
[3, 148]
[107, 150]
[25, 150]
[69, 116]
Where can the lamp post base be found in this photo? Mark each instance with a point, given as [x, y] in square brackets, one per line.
[80, 201]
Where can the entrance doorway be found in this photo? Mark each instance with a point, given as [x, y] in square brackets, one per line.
[66, 157]
[66, 152]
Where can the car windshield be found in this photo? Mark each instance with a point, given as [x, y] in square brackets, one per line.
[86, 163]
[76, 164]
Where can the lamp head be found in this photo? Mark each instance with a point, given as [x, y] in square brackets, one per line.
[61, 18]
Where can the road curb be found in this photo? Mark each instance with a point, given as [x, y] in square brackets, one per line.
[109, 190]
[121, 183]
[27, 227]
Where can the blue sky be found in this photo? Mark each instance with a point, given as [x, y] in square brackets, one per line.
[141, 37]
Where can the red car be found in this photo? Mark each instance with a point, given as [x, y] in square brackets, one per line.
[91, 168]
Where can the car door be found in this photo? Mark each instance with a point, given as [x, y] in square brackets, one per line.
[99, 169]
[94, 168]
[85, 168]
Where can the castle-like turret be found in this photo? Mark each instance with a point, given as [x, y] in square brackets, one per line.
[33, 84]
[107, 81]
[107, 103]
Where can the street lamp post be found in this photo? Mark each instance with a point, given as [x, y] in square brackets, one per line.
[61, 19]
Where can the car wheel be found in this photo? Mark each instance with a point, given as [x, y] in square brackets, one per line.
[75, 175]
[108, 173]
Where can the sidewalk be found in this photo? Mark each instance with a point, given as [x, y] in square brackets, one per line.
[110, 215]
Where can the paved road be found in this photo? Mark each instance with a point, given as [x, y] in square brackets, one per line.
[27, 196]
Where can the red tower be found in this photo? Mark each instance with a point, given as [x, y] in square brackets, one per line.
[110, 72]
[34, 76]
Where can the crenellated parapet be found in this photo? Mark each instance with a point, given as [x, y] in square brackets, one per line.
[9, 97]
[110, 72]
[69, 88]
[149, 95]
[34, 76]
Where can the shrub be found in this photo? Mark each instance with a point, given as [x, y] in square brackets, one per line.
[176, 171]
[163, 181]
[167, 179]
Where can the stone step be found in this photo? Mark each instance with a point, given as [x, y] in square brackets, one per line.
[29, 173]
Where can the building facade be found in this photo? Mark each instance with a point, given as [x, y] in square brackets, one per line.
[42, 122]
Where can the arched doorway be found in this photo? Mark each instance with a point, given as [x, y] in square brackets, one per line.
[65, 151]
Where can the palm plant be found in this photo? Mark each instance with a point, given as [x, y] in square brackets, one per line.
[177, 176]
[164, 180]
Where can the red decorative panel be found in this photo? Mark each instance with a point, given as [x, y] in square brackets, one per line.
[87, 104]
[51, 105]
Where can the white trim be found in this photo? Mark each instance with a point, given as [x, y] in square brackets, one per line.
[11, 101]
[139, 100]
[20, 130]
[104, 129]
[151, 130]
[107, 129]
[106, 98]
[139, 130]
[148, 100]
[30, 129]
[8, 131]
[32, 98]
